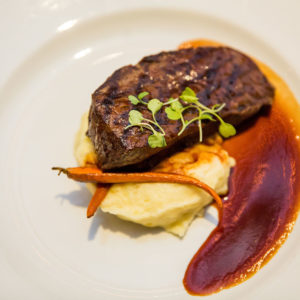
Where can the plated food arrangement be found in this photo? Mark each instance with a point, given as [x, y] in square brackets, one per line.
[166, 136]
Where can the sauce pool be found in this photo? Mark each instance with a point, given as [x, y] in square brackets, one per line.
[263, 200]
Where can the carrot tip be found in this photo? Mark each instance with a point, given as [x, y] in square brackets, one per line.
[61, 170]
[89, 215]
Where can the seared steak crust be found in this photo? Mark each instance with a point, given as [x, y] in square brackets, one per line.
[216, 74]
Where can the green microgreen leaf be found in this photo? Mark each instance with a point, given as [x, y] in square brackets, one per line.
[172, 114]
[154, 105]
[175, 111]
[156, 140]
[134, 100]
[142, 95]
[189, 96]
[227, 130]
[177, 106]
[207, 117]
[135, 117]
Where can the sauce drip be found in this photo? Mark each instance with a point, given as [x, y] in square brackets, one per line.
[263, 199]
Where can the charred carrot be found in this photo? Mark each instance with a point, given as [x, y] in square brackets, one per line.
[95, 175]
[98, 197]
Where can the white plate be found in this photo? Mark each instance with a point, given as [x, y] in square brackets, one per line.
[49, 250]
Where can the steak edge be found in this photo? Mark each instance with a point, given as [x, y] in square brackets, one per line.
[217, 75]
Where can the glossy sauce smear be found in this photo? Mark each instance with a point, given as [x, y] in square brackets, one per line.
[263, 199]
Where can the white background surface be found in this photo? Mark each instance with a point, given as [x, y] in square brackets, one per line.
[48, 249]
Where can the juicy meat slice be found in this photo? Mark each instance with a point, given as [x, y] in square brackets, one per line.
[216, 74]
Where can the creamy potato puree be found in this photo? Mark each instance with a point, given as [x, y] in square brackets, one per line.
[169, 205]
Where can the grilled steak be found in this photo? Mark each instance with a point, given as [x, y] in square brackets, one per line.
[216, 74]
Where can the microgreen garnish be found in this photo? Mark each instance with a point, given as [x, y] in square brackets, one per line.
[139, 99]
[175, 111]
[134, 100]
[189, 96]
[227, 129]
[154, 106]
[136, 118]
[142, 95]
[157, 140]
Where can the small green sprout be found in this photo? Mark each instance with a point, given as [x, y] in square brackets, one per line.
[136, 118]
[175, 111]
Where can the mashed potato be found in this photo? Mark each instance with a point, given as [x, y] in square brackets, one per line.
[168, 205]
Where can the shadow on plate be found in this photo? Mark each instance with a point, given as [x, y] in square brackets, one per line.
[79, 197]
[211, 217]
[112, 223]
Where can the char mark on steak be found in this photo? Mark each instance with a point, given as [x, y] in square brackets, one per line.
[216, 74]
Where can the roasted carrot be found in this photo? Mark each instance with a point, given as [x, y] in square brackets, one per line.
[97, 198]
[95, 175]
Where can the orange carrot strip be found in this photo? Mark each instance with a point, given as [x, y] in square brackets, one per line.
[95, 175]
[98, 197]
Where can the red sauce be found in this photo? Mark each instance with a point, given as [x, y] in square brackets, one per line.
[263, 199]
